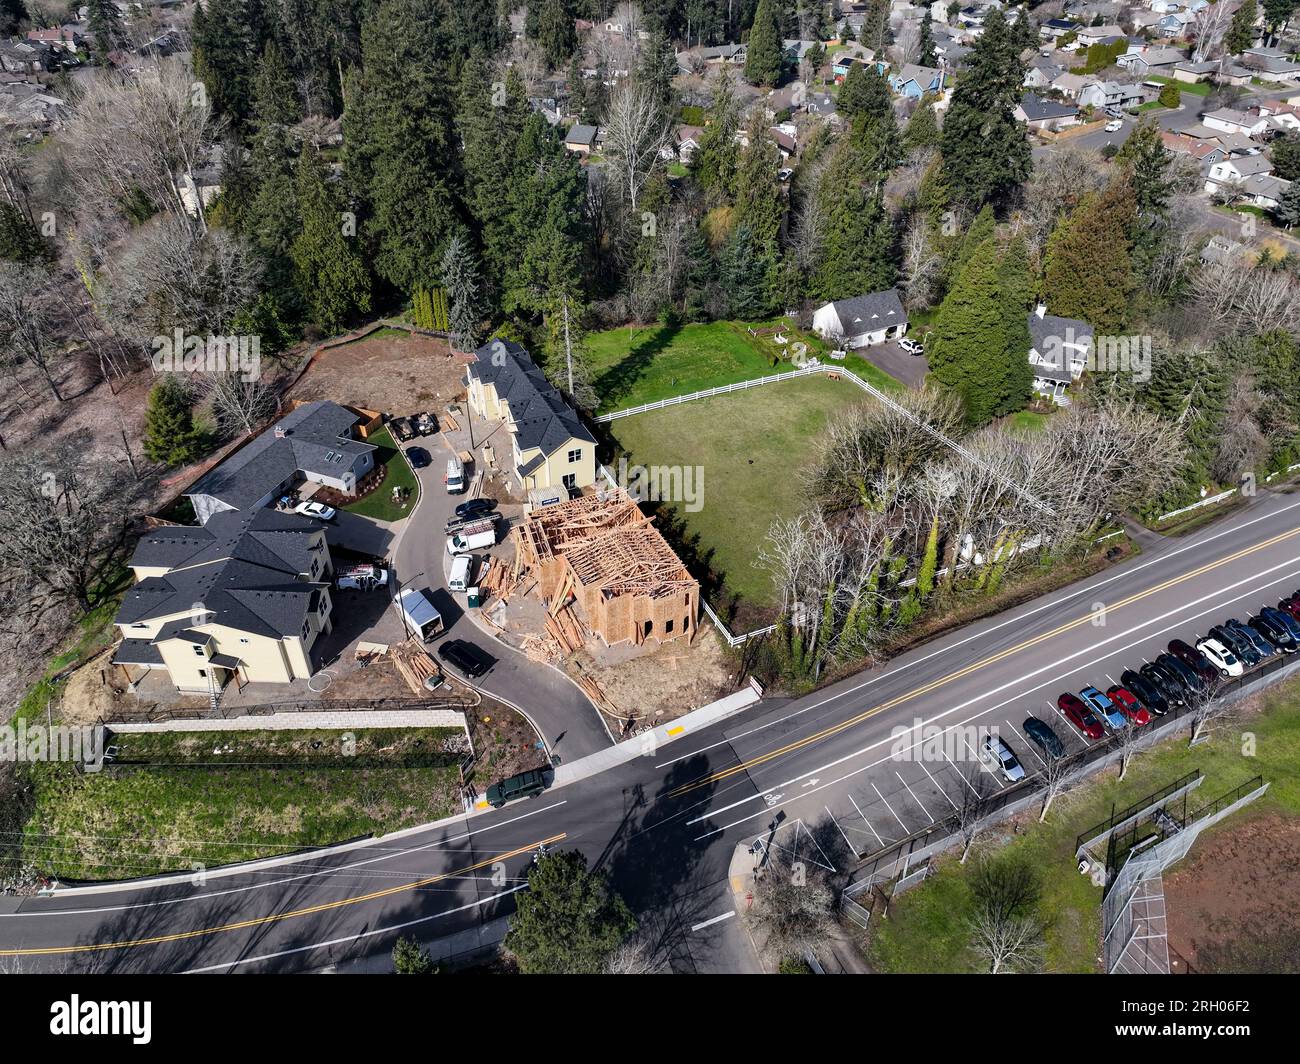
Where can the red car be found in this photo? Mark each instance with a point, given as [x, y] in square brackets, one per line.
[1080, 715]
[1130, 705]
[1291, 606]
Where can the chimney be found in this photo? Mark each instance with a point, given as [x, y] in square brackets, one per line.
[1041, 309]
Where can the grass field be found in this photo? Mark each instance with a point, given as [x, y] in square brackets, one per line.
[174, 814]
[379, 503]
[926, 930]
[751, 446]
[1199, 88]
[643, 364]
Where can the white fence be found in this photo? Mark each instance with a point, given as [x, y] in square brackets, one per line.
[724, 389]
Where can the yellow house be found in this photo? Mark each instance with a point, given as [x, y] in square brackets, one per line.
[244, 597]
[551, 445]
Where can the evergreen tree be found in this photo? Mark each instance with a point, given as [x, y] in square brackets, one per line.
[410, 959]
[1089, 268]
[985, 151]
[170, 436]
[922, 129]
[1285, 153]
[701, 276]
[334, 279]
[876, 33]
[973, 348]
[658, 68]
[744, 272]
[858, 252]
[928, 56]
[1241, 33]
[569, 920]
[1288, 208]
[20, 240]
[460, 277]
[106, 25]
[1276, 13]
[12, 15]
[714, 164]
[398, 140]
[225, 53]
[763, 50]
[555, 31]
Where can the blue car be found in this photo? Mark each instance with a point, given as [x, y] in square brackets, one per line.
[1104, 708]
[1281, 617]
[1262, 646]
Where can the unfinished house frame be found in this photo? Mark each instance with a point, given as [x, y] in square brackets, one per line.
[605, 553]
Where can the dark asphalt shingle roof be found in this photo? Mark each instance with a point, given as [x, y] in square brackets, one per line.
[542, 417]
[241, 569]
[1047, 335]
[316, 440]
[1038, 109]
[864, 314]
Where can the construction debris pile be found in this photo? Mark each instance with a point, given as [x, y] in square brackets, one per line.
[603, 553]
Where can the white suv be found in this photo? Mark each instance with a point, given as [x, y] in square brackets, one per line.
[1221, 657]
[997, 751]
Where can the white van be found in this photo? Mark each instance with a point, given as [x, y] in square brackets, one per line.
[455, 478]
[460, 570]
[472, 538]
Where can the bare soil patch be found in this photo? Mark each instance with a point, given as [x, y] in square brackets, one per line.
[396, 373]
[1234, 904]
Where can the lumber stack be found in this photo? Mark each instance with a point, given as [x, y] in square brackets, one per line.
[565, 629]
[415, 665]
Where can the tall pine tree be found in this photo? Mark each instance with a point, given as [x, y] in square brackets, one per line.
[763, 50]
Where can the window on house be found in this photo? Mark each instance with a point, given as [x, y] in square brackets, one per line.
[243, 642]
[198, 650]
[668, 627]
[575, 456]
[306, 627]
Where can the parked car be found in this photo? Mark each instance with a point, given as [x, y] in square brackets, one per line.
[1046, 739]
[997, 752]
[1194, 660]
[1262, 646]
[316, 509]
[1239, 643]
[524, 785]
[474, 507]
[1080, 715]
[1190, 678]
[1285, 620]
[419, 457]
[1129, 704]
[1103, 707]
[912, 347]
[1165, 681]
[1114, 125]
[1221, 657]
[1152, 697]
[401, 428]
[466, 658]
[1278, 636]
[784, 174]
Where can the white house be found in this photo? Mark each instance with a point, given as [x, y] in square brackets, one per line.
[861, 321]
[1058, 352]
[1226, 120]
[1236, 171]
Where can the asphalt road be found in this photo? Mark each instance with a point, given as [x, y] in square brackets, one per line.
[824, 775]
[563, 714]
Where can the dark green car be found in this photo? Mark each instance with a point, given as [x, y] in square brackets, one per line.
[525, 785]
[1043, 735]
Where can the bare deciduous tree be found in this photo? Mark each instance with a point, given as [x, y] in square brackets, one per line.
[636, 130]
[240, 404]
[1006, 929]
[25, 321]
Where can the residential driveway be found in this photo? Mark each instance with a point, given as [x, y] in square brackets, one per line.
[892, 359]
[565, 716]
[360, 534]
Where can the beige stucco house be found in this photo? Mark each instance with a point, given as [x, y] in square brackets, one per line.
[551, 446]
[242, 598]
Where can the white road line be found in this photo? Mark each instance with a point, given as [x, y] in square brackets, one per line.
[349, 938]
[979, 763]
[1020, 619]
[891, 809]
[961, 775]
[1054, 666]
[913, 794]
[836, 821]
[936, 785]
[864, 818]
[715, 920]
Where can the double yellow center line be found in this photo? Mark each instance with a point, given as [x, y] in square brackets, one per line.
[934, 685]
[311, 910]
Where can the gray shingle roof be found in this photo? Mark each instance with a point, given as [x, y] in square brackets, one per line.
[1048, 334]
[581, 135]
[1038, 109]
[242, 569]
[312, 433]
[864, 314]
[542, 417]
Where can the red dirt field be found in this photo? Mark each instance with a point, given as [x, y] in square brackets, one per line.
[394, 374]
[1233, 905]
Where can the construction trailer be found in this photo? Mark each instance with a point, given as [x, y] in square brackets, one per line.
[604, 553]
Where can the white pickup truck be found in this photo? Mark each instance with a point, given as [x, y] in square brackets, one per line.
[472, 537]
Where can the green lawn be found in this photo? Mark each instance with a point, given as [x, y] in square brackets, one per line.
[1026, 422]
[643, 364]
[926, 931]
[379, 503]
[751, 446]
[139, 821]
[1199, 88]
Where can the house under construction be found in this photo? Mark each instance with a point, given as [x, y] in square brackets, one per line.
[607, 554]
